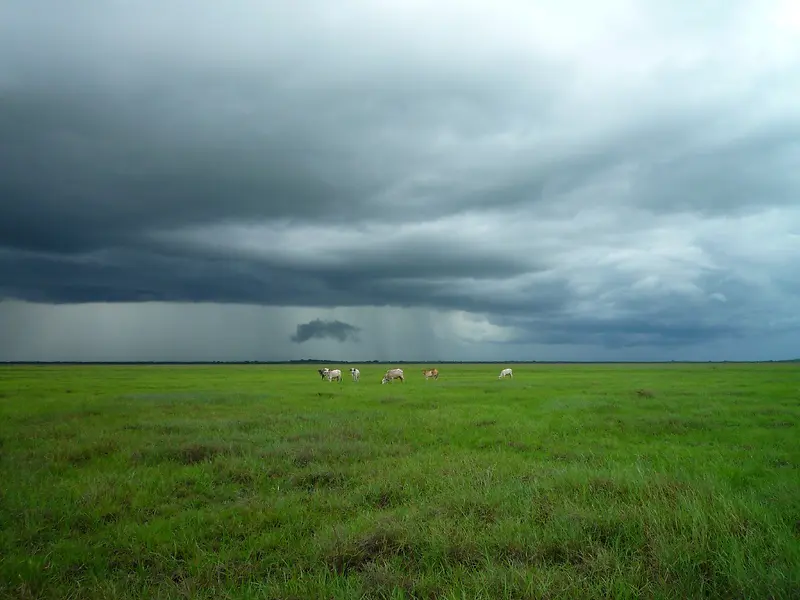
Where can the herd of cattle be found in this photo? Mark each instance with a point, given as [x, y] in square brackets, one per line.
[390, 375]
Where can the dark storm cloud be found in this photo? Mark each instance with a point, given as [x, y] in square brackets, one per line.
[318, 329]
[577, 186]
[661, 326]
[131, 277]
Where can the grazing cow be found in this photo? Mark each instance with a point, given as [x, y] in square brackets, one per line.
[430, 373]
[355, 373]
[393, 374]
[335, 374]
[505, 372]
[323, 373]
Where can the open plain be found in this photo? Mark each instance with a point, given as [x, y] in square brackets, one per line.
[264, 481]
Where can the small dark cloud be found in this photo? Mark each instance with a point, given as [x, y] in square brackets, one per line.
[319, 329]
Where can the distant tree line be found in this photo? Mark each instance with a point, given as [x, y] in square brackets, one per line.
[315, 361]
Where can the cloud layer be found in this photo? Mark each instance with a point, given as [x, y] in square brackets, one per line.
[562, 175]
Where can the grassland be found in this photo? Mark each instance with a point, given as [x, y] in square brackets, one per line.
[570, 481]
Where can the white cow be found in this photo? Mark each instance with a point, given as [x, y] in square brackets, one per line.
[335, 374]
[505, 372]
[393, 374]
[355, 373]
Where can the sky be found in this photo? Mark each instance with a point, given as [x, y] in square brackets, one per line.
[450, 180]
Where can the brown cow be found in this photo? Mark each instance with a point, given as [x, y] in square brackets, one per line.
[428, 373]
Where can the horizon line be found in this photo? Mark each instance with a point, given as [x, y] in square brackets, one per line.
[380, 362]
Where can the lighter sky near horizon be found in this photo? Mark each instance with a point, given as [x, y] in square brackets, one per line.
[259, 180]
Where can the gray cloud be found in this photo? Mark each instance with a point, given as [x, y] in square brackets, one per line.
[624, 180]
[319, 329]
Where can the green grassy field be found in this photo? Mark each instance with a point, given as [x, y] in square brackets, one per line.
[569, 481]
